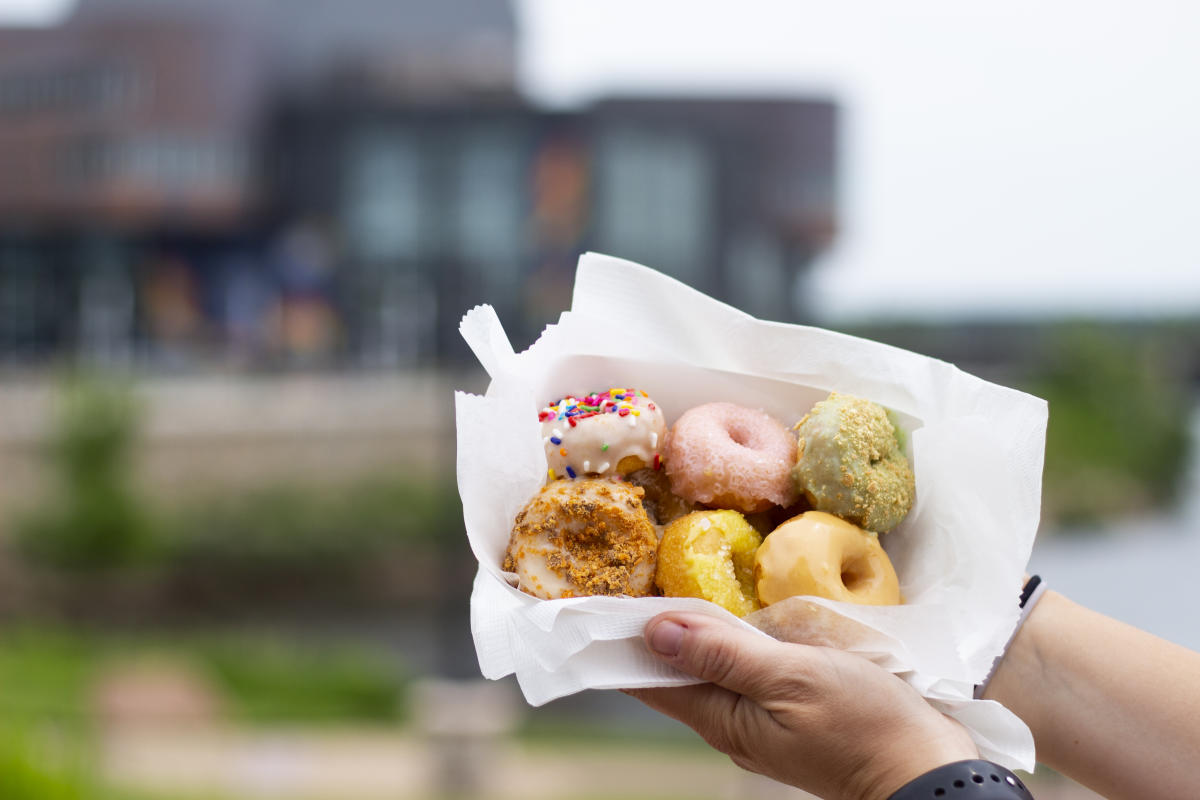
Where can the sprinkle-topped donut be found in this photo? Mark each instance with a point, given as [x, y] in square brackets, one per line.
[613, 432]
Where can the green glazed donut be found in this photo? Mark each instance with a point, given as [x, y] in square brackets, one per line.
[849, 463]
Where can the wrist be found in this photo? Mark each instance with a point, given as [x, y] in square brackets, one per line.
[1022, 672]
[1030, 595]
[970, 780]
[919, 756]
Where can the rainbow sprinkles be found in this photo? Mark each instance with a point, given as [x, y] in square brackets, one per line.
[602, 433]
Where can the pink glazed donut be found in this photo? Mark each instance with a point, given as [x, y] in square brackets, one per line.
[730, 456]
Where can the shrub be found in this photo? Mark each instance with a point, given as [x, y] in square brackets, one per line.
[93, 518]
[1117, 440]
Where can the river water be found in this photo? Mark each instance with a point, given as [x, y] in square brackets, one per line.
[1144, 570]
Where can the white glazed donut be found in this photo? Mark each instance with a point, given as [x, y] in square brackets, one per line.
[604, 433]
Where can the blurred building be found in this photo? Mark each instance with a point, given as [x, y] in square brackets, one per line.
[278, 182]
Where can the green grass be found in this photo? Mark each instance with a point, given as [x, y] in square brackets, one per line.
[26, 776]
[32, 770]
[46, 675]
[280, 681]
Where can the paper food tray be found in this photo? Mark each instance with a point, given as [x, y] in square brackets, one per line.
[976, 450]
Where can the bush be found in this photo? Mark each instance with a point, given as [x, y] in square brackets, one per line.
[330, 527]
[377, 544]
[93, 518]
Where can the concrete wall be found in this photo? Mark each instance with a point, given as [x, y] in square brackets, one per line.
[232, 433]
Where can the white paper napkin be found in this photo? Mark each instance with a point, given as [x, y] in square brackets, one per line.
[976, 450]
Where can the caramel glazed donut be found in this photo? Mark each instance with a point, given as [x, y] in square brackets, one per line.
[586, 537]
[818, 554]
[604, 433]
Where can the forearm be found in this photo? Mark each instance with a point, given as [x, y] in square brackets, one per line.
[1112, 706]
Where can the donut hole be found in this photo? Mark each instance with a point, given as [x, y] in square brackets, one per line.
[710, 554]
[857, 574]
[722, 563]
[740, 435]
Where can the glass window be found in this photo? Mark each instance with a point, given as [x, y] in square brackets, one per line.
[106, 305]
[489, 202]
[382, 196]
[763, 282]
[655, 198]
[396, 319]
[18, 304]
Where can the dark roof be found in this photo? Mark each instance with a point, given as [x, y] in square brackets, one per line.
[310, 36]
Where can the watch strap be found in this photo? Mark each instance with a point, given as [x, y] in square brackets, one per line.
[965, 780]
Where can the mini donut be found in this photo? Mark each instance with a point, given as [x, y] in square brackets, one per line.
[823, 555]
[729, 456]
[710, 554]
[850, 464]
[583, 537]
[766, 521]
[661, 503]
[604, 433]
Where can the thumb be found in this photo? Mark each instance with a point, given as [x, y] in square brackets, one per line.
[743, 661]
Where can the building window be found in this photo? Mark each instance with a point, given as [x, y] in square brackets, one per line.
[655, 199]
[382, 197]
[489, 208]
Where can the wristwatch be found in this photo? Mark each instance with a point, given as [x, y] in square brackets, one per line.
[965, 780]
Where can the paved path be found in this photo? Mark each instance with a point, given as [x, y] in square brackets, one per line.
[371, 765]
[392, 765]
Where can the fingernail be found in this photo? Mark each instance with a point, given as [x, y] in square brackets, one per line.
[666, 638]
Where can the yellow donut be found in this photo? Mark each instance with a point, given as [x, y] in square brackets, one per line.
[710, 554]
[819, 554]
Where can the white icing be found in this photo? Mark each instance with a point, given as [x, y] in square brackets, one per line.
[595, 445]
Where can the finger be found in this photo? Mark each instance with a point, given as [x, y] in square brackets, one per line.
[739, 660]
[704, 707]
[691, 705]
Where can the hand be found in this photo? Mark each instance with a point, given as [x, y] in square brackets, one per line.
[823, 720]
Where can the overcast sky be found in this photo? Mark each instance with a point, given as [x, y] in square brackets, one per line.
[1013, 156]
[1022, 156]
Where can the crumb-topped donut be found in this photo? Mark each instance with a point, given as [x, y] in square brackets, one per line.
[604, 433]
[849, 463]
[584, 537]
[710, 554]
[819, 554]
[726, 455]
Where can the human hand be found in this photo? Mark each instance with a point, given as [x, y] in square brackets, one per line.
[823, 720]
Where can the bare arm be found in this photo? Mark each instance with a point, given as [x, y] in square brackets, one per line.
[1112, 706]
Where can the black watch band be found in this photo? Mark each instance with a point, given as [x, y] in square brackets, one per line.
[965, 780]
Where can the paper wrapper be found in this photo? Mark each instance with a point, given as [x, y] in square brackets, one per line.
[976, 449]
